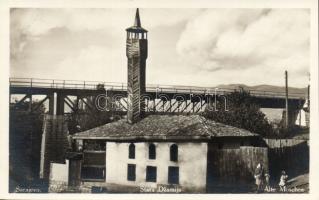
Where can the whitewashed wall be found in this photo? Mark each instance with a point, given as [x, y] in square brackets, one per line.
[59, 175]
[192, 162]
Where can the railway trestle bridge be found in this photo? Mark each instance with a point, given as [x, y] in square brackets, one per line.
[64, 96]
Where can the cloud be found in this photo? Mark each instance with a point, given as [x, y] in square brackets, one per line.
[41, 38]
[261, 40]
[93, 63]
[40, 21]
[203, 47]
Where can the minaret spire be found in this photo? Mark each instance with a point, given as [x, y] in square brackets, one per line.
[137, 27]
[137, 21]
[136, 52]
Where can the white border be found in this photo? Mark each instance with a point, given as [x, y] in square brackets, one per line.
[5, 5]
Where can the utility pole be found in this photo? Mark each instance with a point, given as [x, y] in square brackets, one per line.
[308, 97]
[286, 85]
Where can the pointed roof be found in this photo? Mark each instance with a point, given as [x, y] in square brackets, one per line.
[137, 27]
[137, 21]
[164, 127]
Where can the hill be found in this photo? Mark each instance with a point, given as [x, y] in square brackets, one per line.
[270, 88]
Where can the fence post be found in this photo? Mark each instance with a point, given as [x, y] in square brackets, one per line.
[84, 85]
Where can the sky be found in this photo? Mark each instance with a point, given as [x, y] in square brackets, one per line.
[199, 47]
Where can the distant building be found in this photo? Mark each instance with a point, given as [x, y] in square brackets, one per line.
[276, 116]
[303, 117]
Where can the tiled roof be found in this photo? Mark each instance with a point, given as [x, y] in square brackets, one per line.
[163, 127]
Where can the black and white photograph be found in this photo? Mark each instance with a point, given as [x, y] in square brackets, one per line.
[160, 100]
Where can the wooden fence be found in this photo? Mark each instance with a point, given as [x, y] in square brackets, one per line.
[234, 166]
[291, 155]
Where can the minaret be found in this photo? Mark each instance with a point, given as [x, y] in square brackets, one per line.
[136, 52]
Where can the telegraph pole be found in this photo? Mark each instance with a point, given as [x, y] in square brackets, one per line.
[308, 96]
[286, 85]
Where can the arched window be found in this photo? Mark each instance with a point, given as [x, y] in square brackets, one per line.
[131, 151]
[151, 151]
[173, 152]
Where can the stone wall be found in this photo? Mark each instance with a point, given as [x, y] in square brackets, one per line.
[54, 142]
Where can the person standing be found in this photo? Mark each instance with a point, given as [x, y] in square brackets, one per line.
[259, 176]
[267, 182]
[283, 181]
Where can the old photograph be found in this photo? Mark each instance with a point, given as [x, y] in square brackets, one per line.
[159, 100]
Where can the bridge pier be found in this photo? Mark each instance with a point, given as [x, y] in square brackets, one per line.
[51, 104]
[60, 104]
[292, 116]
[54, 137]
[30, 103]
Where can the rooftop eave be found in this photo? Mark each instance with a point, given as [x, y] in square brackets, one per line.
[149, 138]
[136, 29]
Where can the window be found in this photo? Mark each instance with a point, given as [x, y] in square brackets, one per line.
[93, 173]
[94, 145]
[173, 175]
[150, 174]
[131, 151]
[131, 174]
[173, 152]
[93, 159]
[93, 165]
[151, 151]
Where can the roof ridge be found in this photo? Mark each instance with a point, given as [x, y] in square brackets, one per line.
[165, 127]
[98, 127]
[203, 121]
[227, 125]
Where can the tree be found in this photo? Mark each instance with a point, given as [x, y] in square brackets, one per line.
[242, 112]
[25, 134]
[88, 118]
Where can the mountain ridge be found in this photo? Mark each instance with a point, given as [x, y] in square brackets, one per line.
[264, 87]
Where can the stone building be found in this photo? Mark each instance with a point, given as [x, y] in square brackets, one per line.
[159, 150]
[145, 152]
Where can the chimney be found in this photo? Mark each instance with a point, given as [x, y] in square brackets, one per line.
[136, 53]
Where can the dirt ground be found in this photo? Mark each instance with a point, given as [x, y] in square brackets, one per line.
[301, 181]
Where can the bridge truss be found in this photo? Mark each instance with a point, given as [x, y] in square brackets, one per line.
[110, 96]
